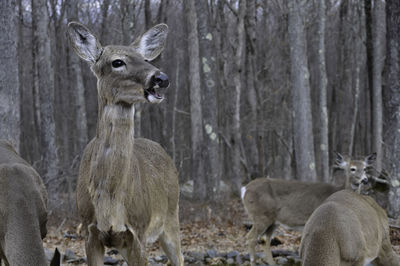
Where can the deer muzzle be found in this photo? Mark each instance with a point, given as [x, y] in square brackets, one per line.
[157, 85]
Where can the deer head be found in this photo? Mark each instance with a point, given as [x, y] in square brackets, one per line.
[124, 75]
[355, 170]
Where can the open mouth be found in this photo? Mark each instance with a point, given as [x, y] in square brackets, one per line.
[153, 95]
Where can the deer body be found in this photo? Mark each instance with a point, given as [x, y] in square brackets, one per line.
[127, 191]
[347, 229]
[23, 210]
[291, 203]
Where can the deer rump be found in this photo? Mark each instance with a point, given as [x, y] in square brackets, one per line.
[347, 229]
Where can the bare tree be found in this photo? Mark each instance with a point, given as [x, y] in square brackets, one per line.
[196, 113]
[252, 129]
[237, 80]
[302, 117]
[45, 82]
[323, 81]
[128, 20]
[209, 85]
[147, 13]
[392, 103]
[77, 87]
[378, 57]
[9, 83]
[357, 43]
[104, 20]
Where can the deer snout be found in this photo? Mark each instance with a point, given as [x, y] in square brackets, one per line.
[161, 80]
[364, 180]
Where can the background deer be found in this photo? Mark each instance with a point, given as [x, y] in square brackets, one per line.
[23, 211]
[268, 200]
[128, 189]
[347, 229]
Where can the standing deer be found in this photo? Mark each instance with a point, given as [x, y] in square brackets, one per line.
[347, 229]
[23, 211]
[127, 191]
[268, 200]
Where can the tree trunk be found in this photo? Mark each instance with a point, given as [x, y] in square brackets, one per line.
[252, 135]
[323, 82]
[9, 83]
[356, 22]
[209, 97]
[302, 119]
[378, 57]
[220, 35]
[77, 87]
[236, 97]
[104, 21]
[147, 14]
[29, 147]
[45, 82]
[196, 115]
[128, 21]
[392, 103]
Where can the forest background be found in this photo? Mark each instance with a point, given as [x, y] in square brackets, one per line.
[258, 88]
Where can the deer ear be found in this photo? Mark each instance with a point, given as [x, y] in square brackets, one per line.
[152, 42]
[84, 42]
[340, 161]
[370, 159]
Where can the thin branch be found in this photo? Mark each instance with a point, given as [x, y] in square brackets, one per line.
[181, 111]
[284, 144]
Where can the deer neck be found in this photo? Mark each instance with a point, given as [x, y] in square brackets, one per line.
[116, 124]
[115, 136]
[112, 165]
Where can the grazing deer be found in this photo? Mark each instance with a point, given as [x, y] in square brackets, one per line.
[127, 191]
[23, 211]
[268, 200]
[347, 229]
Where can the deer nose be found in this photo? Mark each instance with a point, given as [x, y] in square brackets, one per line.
[364, 180]
[161, 80]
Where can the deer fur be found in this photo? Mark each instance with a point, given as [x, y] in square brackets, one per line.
[290, 202]
[23, 211]
[127, 191]
[348, 229]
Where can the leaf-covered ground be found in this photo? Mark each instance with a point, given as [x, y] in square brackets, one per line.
[219, 228]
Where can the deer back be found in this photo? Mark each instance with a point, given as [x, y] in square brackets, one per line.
[289, 202]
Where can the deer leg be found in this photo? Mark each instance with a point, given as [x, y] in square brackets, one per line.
[134, 252]
[386, 256]
[94, 247]
[3, 260]
[252, 237]
[170, 242]
[267, 246]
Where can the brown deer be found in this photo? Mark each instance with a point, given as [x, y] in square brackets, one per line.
[23, 211]
[127, 191]
[291, 203]
[348, 229]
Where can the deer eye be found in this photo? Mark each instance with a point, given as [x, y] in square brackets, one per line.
[117, 63]
[353, 169]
